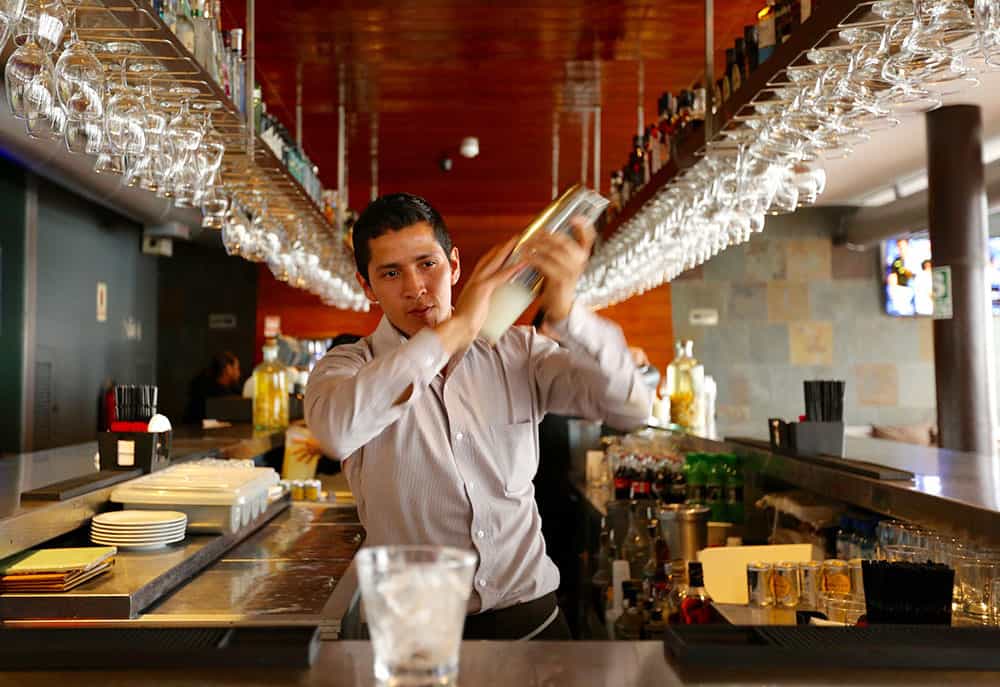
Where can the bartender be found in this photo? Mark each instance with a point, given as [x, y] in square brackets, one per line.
[436, 427]
[220, 378]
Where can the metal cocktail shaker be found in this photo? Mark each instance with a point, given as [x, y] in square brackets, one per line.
[514, 297]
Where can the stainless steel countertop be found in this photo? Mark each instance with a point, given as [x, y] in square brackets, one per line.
[36, 522]
[137, 580]
[952, 491]
[506, 664]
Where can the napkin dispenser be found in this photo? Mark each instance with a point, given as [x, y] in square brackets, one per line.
[147, 451]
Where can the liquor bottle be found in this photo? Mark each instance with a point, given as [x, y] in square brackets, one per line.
[637, 164]
[715, 489]
[696, 607]
[727, 78]
[738, 74]
[605, 555]
[750, 48]
[805, 10]
[185, 27]
[675, 595]
[734, 490]
[168, 13]
[237, 70]
[767, 37]
[783, 20]
[270, 400]
[681, 387]
[717, 99]
[678, 487]
[636, 547]
[629, 625]
[661, 553]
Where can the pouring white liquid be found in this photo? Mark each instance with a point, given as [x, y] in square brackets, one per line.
[506, 305]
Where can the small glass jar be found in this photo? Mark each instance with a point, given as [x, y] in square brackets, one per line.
[298, 490]
[759, 591]
[857, 579]
[836, 577]
[810, 584]
[312, 489]
[785, 584]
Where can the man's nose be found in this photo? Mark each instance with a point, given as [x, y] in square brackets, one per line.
[414, 284]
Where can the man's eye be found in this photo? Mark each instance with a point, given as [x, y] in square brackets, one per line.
[430, 263]
[390, 275]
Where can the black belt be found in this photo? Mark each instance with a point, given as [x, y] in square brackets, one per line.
[521, 621]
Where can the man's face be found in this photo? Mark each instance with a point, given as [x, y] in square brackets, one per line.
[231, 373]
[410, 277]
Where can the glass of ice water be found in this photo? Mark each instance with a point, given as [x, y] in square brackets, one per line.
[415, 599]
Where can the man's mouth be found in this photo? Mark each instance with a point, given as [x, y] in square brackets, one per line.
[421, 312]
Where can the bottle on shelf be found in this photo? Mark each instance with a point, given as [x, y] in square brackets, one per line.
[696, 607]
[185, 27]
[717, 98]
[750, 49]
[783, 20]
[735, 510]
[697, 479]
[737, 73]
[605, 556]
[168, 13]
[727, 78]
[675, 595]
[629, 625]
[681, 386]
[636, 547]
[270, 400]
[237, 70]
[715, 489]
[767, 37]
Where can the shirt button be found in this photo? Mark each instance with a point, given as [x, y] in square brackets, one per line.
[459, 436]
[480, 534]
[481, 583]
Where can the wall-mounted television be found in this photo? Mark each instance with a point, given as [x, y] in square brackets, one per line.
[906, 276]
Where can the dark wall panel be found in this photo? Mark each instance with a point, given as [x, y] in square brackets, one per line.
[11, 303]
[200, 284]
[79, 245]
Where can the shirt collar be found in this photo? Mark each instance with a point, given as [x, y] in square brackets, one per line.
[386, 338]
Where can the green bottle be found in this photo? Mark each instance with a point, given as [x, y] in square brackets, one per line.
[715, 488]
[697, 477]
[734, 489]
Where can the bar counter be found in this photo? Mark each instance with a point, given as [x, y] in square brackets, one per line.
[502, 664]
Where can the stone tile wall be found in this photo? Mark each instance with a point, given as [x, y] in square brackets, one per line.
[792, 306]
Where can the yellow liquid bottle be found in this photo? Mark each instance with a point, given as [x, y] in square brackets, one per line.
[681, 386]
[270, 401]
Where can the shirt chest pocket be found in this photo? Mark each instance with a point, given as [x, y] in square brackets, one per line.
[513, 449]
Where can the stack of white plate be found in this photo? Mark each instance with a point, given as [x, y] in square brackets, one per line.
[138, 529]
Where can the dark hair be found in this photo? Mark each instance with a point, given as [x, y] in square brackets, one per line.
[392, 213]
[925, 263]
[220, 361]
[342, 339]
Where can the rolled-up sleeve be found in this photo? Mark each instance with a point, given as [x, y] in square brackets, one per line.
[352, 396]
[592, 374]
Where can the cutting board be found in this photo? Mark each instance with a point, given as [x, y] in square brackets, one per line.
[726, 566]
[57, 560]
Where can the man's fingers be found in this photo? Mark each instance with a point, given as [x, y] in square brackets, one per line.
[584, 233]
[494, 257]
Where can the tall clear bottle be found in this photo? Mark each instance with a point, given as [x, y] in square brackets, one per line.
[680, 384]
[270, 400]
[185, 27]
[637, 548]
[237, 71]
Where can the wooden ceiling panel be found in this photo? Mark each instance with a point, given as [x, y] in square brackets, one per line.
[439, 70]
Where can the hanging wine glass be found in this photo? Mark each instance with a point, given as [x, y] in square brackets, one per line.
[211, 150]
[80, 87]
[140, 168]
[44, 116]
[46, 20]
[124, 116]
[184, 133]
[23, 66]
[11, 12]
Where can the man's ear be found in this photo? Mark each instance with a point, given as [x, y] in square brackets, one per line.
[366, 287]
[456, 265]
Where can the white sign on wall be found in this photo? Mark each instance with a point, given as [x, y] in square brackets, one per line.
[942, 290]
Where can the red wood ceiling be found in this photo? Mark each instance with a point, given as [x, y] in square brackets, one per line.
[439, 70]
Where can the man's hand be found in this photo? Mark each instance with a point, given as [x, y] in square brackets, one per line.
[473, 304]
[561, 260]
